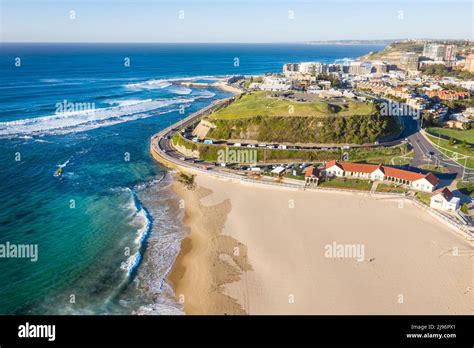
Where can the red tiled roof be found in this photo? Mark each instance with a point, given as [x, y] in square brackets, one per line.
[332, 163]
[357, 167]
[433, 180]
[311, 171]
[353, 167]
[388, 171]
[445, 94]
[402, 174]
[445, 192]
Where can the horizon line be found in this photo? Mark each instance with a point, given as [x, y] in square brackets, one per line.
[229, 42]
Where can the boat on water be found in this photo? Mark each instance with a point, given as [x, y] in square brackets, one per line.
[58, 172]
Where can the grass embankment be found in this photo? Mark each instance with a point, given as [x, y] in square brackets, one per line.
[263, 104]
[296, 129]
[370, 155]
[457, 134]
[434, 169]
[391, 188]
[466, 188]
[423, 197]
[354, 184]
[454, 143]
[178, 140]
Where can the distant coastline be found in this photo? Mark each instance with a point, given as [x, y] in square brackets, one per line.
[352, 42]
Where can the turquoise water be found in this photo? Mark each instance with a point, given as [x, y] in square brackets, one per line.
[107, 230]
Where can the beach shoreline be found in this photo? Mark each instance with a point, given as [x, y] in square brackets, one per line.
[278, 272]
[200, 272]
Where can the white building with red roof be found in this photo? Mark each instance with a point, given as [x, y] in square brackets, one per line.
[413, 180]
[311, 175]
[444, 199]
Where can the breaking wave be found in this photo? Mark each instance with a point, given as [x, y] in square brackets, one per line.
[79, 121]
[143, 220]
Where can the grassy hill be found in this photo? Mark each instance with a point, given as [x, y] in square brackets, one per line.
[393, 52]
[263, 118]
[262, 104]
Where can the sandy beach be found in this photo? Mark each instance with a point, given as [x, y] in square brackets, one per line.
[258, 250]
[228, 88]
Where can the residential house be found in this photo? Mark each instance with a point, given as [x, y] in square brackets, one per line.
[444, 199]
[311, 175]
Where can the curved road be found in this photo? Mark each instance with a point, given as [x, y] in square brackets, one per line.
[424, 151]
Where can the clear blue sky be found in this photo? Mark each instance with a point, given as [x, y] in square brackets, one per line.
[232, 20]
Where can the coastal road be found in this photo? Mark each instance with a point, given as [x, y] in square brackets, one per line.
[427, 153]
[424, 152]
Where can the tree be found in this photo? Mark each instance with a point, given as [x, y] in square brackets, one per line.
[465, 208]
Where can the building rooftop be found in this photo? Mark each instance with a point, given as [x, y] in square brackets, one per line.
[445, 192]
[388, 171]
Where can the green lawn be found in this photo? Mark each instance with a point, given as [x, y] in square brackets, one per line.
[457, 134]
[423, 197]
[296, 177]
[262, 104]
[466, 188]
[354, 184]
[390, 188]
[455, 150]
[377, 155]
[433, 168]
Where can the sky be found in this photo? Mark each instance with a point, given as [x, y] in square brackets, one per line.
[251, 21]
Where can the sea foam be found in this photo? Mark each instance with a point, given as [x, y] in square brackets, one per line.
[83, 120]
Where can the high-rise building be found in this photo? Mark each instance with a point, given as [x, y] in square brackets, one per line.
[360, 68]
[409, 61]
[311, 68]
[450, 53]
[469, 65]
[433, 51]
[290, 68]
[380, 67]
[446, 53]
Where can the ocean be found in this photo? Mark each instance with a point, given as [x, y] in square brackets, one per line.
[108, 229]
